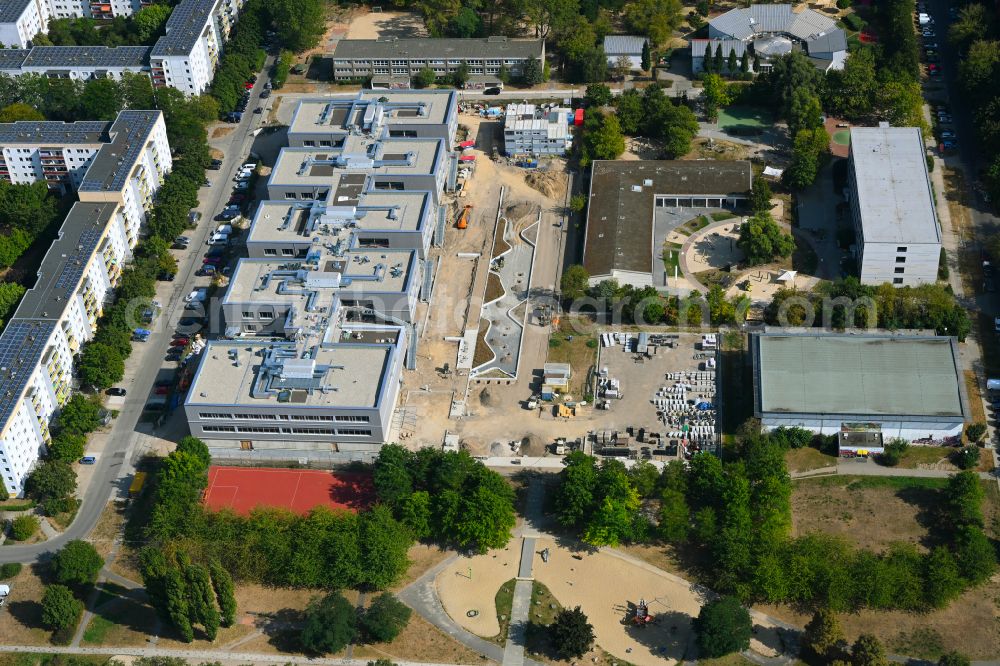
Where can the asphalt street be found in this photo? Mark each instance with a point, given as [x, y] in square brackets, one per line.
[114, 466]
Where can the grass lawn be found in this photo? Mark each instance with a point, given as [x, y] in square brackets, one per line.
[722, 215]
[504, 602]
[575, 343]
[543, 612]
[672, 257]
[841, 137]
[808, 458]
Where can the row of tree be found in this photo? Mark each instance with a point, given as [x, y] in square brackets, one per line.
[739, 514]
[332, 622]
[846, 303]
[333, 550]
[141, 29]
[74, 569]
[187, 594]
[446, 497]
[648, 113]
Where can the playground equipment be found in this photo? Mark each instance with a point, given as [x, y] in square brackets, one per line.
[463, 219]
[641, 616]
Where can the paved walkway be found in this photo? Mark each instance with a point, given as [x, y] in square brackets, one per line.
[517, 633]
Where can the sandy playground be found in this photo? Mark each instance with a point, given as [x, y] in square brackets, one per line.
[603, 583]
[372, 25]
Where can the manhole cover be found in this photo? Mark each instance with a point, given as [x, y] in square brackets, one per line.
[472, 613]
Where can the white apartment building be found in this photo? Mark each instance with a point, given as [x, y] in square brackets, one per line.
[895, 220]
[75, 278]
[184, 58]
[21, 20]
[530, 130]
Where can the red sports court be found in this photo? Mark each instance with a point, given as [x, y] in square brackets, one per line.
[243, 489]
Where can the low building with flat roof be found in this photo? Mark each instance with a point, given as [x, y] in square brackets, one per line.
[328, 398]
[281, 297]
[532, 130]
[905, 386]
[359, 59]
[392, 165]
[364, 220]
[424, 114]
[898, 238]
[624, 196]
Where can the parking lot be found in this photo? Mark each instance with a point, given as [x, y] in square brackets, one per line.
[668, 389]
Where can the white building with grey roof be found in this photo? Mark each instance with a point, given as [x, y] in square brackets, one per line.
[22, 20]
[360, 59]
[77, 274]
[771, 31]
[532, 130]
[624, 46]
[907, 386]
[898, 237]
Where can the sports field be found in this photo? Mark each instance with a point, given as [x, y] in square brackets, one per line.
[243, 489]
[744, 117]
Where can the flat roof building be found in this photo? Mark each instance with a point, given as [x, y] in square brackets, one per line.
[326, 398]
[627, 46]
[906, 385]
[530, 130]
[898, 238]
[425, 114]
[392, 164]
[624, 197]
[357, 59]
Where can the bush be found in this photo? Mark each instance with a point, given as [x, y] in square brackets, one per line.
[9, 570]
[572, 633]
[894, 451]
[843, 4]
[24, 527]
[943, 270]
[930, 163]
[282, 66]
[966, 457]
[424, 78]
[854, 22]
[974, 431]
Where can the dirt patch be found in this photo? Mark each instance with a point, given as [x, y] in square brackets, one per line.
[550, 183]
[715, 149]
[21, 619]
[870, 514]
[500, 244]
[974, 391]
[108, 528]
[494, 288]
[420, 641]
[422, 557]
[373, 25]
[575, 343]
[220, 132]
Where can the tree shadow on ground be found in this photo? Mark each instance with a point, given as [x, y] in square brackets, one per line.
[668, 635]
[925, 500]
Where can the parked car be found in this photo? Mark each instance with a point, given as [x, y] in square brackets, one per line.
[115, 390]
[491, 91]
[205, 270]
[259, 110]
[929, 32]
[947, 134]
[197, 295]
[264, 94]
[930, 45]
[248, 86]
[88, 460]
[241, 186]
[996, 324]
[227, 215]
[165, 276]
[215, 261]
[180, 342]
[161, 390]
[219, 239]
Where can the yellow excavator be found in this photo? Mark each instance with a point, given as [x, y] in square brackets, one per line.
[463, 219]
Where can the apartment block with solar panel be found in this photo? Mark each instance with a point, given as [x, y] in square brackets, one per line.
[116, 169]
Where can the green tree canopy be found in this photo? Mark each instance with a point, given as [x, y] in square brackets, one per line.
[575, 282]
[572, 634]
[77, 563]
[723, 626]
[299, 23]
[330, 624]
[19, 111]
[51, 479]
[100, 365]
[384, 619]
[60, 609]
[763, 241]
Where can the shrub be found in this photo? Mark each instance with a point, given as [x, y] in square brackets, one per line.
[974, 431]
[854, 22]
[843, 4]
[424, 78]
[966, 457]
[894, 451]
[10, 570]
[24, 527]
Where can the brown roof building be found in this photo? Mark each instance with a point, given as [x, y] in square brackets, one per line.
[623, 199]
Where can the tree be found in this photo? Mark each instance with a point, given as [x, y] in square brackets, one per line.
[299, 23]
[804, 111]
[760, 196]
[384, 543]
[466, 23]
[717, 59]
[646, 61]
[548, 15]
[975, 554]
[330, 624]
[100, 365]
[893, 451]
[60, 609]
[942, 580]
[807, 148]
[533, 73]
[572, 633]
[868, 651]
[461, 75]
[67, 446]
[77, 563]
[225, 595]
[675, 517]
[597, 94]
[575, 282]
[51, 479]
[656, 19]
[731, 62]
[18, 111]
[425, 78]
[197, 448]
[762, 240]
[631, 111]
[979, 65]
[603, 139]
[966, 457]
[102, 99]
[178, 609]
[623, 65]
[384, 619]
[745, 62]
[715, 95]
[972, 24]
[822, 637]
[723, 626]
[23, 527]
[149, 22]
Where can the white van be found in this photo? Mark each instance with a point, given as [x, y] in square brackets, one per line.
[993, 384]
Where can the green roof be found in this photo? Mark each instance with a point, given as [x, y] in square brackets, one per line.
[874, 375]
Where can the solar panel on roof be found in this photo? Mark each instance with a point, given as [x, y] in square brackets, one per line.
[21, 347]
